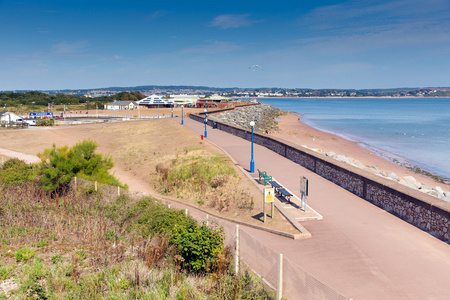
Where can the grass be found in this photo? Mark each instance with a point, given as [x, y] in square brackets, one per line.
[98, 246]
[207, 179]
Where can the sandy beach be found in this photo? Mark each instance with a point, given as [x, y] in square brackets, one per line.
[293, 130]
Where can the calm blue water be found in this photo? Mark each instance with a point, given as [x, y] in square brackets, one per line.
[417, 130]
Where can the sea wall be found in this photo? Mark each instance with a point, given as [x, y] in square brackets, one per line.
[425, 212]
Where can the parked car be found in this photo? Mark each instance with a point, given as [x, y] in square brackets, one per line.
[30, 122]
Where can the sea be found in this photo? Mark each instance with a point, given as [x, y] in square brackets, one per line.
[412, 132]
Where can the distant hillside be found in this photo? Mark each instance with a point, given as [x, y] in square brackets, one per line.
[255, 92]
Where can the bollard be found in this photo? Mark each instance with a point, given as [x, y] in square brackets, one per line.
[201, 137]
[280, 278]
[236, 255]
[118, 190]
[96, 186]
[186, 211]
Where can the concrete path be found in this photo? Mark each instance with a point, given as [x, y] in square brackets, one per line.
[358, 249]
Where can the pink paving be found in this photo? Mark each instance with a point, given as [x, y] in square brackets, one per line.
[358, 249]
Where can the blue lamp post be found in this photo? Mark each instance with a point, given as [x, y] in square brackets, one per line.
[182, 106]
[206, 120]
[252, 162]
[172, 110]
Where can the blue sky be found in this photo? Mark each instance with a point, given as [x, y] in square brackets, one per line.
[69, 44]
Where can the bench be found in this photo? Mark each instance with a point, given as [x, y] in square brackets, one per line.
[263, 175]
[276, 186]
[285, 194]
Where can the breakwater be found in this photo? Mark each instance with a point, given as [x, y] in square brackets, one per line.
[425, 212]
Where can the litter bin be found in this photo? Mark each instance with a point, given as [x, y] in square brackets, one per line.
[214, 125]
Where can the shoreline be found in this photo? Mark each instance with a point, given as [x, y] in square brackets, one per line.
[293, 129]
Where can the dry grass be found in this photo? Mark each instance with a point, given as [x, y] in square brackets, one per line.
[70, 248]
[137, 147]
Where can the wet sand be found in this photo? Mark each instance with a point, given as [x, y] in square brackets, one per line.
[293, 130]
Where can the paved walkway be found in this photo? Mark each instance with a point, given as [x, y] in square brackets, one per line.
[358, 249]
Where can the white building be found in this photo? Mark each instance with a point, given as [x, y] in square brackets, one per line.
[10, 117]
[184, 99]
[155, 100]
[121, 105]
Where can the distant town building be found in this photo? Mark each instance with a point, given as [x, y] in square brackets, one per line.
[154, 100]
[184, 99]
[122, 105]
[10, 117]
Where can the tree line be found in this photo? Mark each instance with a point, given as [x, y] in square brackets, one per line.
[9, 99]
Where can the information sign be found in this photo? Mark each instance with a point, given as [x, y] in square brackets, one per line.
[304, 185]
[268, 194]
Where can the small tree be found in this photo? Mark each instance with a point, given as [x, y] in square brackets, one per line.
[60, 165]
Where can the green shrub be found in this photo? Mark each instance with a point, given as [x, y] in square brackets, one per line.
[15, 171]
[6, 272]
[57, 258]
[33, 285]
[42, 243]
[24, 254]
[45, 122]
[59, 165]
[198, 244]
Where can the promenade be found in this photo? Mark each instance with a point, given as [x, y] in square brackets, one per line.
[358, 249]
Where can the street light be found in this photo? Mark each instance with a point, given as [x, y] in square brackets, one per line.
[182, 106]
[206, 120]
[172, 110]
[252, 162]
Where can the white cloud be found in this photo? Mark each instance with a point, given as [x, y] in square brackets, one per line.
[232, 21]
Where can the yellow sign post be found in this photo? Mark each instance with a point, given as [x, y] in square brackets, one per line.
[269, 197]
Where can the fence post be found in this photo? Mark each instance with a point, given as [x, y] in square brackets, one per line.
[96, 185]
[75, 180]
[186, 211]
[207, 220]
[118, 190]
[236, 255]
[280, 278]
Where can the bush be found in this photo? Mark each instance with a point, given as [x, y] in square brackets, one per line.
[59, 165]
[198, 244]
[6, 272]
[16, 171]
[24, 254]
[45, 122]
